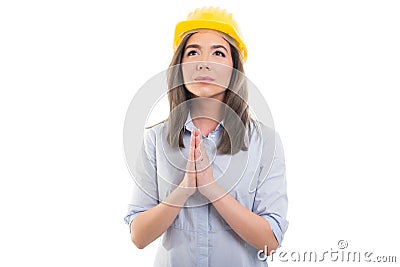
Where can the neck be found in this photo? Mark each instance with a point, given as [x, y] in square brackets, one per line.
[206, 114]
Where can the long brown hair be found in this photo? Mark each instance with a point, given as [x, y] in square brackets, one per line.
[235, 97]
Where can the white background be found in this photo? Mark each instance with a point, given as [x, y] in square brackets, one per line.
[329, 71]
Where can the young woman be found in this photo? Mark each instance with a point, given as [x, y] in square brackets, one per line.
[194, 182]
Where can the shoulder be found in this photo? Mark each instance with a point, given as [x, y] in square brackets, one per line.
[156, 128]
[154, 132]
[265, 137]
[261, 132]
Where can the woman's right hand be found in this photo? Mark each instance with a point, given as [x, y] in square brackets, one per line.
[188, 185]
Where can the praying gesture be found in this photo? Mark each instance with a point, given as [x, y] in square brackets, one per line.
[199, 174]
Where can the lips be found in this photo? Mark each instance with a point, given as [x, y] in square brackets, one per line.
[204, 79]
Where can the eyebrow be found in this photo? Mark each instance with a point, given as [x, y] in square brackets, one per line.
[213, 47]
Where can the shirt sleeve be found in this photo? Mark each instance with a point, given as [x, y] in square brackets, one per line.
[144, 193]
[271, 200]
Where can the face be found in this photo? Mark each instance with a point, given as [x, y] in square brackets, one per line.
[207, 64]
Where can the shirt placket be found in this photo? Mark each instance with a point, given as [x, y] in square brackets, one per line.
[202, 236]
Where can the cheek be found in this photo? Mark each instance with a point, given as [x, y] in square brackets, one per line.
[187, 72]
[224, 76]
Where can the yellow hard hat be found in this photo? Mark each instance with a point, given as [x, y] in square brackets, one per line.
[211, 18]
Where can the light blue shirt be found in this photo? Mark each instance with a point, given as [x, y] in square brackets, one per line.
[199, 236]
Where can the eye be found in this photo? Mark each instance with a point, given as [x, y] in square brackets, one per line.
[219, 54]
[191, 53]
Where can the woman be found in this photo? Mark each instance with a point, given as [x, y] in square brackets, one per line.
[193, 184]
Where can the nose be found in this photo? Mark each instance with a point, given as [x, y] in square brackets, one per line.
[203, 65]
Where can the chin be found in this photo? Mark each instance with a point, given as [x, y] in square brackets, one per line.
[207, 92]
[219, 96]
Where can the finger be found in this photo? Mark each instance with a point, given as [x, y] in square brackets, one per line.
[192, 147]
[198, 139]
[201, 148]
[203, 151]
[190, 165]
[197, 154]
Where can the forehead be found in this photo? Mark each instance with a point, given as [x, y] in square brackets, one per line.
[207, 36]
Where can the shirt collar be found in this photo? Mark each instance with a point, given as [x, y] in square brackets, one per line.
[190, 126]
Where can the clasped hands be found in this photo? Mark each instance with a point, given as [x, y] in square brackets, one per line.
[199, 174]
